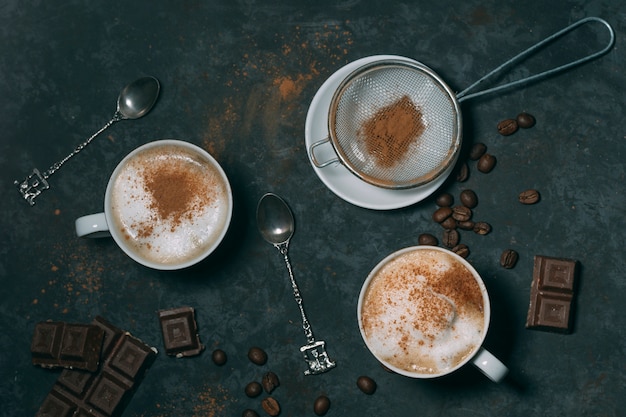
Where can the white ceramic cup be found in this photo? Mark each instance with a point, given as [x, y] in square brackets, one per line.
[416, 325]
[167, 205]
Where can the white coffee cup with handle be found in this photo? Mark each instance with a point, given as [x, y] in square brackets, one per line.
[424, 312]
[168, 205]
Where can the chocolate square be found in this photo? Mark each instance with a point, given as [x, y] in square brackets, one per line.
[74, 346]
[552, 294]
[180, 332]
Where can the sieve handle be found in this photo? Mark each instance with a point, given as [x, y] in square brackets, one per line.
[464, 96]
[314, 158]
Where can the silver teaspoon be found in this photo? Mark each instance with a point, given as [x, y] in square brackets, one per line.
[134, 101]
[276, 224]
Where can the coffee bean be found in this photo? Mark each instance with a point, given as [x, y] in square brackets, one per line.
[444, 200]
[525, 120]
[449, 223]
[507, 127]
[482, 228]
[508, 259]
[270, 382]
[478, 150]
[253, 389]
[427, 239]
[466, 225]
[486, 163]
[249, 413]
[529, 196]
[461, 249]
[441, 214]
[271, 406]
[469, 198]
[321, 405]
[366, 384]
[219, 357]
[257, 356]
[461, 213]
[450, 238]
[462, 173]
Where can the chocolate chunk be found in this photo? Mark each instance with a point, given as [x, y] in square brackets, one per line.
[74, 346]
[552, 294]
[180, 332]
[106, 392]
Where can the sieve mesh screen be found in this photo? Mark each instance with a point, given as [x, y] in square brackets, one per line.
[395, 124]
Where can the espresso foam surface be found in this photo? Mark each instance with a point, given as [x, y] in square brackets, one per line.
[179, 229]
[423, 312]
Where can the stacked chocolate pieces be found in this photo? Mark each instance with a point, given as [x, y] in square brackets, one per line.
[77, 392]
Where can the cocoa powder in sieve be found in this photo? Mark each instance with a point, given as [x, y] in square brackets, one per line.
[390, 132]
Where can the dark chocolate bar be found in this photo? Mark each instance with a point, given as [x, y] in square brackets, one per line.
[74, 346]
[552, 294]
[104, 393]
[180, 332]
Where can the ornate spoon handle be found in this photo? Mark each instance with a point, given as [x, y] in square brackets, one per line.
[315, 351]
[33, 185]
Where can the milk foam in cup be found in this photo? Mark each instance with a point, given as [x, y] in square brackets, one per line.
[168, 205]
[424, 312]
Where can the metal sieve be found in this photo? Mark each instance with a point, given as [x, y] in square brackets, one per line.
[396, 124]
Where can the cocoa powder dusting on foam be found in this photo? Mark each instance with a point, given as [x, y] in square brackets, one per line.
[177, 194]
[391, 131]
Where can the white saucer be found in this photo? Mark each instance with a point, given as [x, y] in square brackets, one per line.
[336, 176]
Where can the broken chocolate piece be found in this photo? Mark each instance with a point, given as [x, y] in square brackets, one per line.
[180, 332]
[104, 393]
[552, 294]
[74, 346]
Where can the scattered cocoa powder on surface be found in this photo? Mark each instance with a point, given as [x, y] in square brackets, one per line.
[390, 132]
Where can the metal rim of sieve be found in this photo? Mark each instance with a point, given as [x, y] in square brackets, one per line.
[368, 89]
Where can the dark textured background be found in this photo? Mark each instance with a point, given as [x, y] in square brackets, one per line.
[237, 79]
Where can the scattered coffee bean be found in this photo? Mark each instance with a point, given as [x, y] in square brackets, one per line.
[529, 196]
[461, 213]
[478, 150]
[441, 214]
[508, 259]
[461, 249]
[427, 239]
[507, 127]
[271, 406]
[321, 405]
[366, 384]
[449, 223]
[482, 228]
[444, 200]
[462, 173]
[257, 356]
[525, 120]
[249, 413]
[451, 238]
[469, 198]
[219, 357]
[270, 382]
[486, 163]
[466, 225]
[253, 389]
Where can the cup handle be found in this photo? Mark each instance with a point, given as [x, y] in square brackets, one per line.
[490, 365]
[93, 225]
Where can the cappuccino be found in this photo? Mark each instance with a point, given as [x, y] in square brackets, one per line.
[423, 312]
[169, 204]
